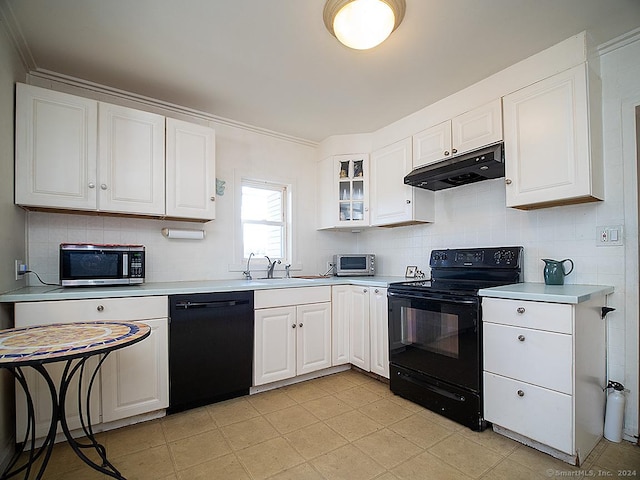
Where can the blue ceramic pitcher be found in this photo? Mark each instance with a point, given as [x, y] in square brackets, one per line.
[554, 271]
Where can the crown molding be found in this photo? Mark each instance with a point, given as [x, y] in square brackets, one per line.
[619, 42]
[14, 32]
[153, 102]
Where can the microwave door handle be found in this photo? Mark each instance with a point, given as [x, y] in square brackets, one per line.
[125, 265]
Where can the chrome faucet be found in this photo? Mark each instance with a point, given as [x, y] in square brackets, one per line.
[271, 265]
[247, 272]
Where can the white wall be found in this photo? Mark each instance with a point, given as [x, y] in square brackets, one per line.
[12, 225]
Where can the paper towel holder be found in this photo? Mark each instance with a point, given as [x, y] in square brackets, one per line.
[183, 233]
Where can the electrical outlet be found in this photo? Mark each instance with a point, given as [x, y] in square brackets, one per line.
[21, 269]
[609, 236]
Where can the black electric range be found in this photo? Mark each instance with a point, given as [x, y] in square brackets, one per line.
[435, 330]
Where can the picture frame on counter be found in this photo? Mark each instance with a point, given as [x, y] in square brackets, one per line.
[411, 271]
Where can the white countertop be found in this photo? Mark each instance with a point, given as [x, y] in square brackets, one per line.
[48, 293]
[540, 292]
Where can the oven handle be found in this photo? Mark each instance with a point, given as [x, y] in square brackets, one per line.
[452, 299]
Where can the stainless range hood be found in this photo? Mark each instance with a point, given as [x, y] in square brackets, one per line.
[472, 167]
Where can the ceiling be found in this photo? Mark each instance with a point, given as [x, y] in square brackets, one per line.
[272, 64]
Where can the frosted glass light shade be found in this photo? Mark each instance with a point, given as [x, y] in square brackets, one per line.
[363, 24]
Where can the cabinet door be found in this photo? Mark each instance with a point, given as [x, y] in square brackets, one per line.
[391, 199]
[130, 161]
[275, 344]
[432, 145]
[340, 312]
[360, 342]
[379, 326]
[537, 413]
[313, 350]
[477, 128]
[135, 379]
[546, 132]
[56, 149]
[191, 177]
[533, 356]
[351, 175]
[42, 399]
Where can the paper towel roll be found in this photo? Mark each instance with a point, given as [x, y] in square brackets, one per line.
[186, 234]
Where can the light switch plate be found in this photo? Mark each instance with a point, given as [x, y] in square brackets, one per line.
[609, 236]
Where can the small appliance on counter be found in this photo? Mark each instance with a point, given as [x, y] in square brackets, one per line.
[354, 264]
[86, 264]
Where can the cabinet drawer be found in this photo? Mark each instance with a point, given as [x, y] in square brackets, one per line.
[554, 317]
[533, 356]
[65, 311]
[282, 297]
[537, 413]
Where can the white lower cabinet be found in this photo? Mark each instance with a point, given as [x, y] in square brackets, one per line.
[544, 370]
[292, 332]
[133, 380]
[379, 331]
[360, 330]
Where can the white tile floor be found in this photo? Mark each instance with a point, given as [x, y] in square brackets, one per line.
[345, 426]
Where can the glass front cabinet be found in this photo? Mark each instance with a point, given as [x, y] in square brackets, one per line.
[351, 176]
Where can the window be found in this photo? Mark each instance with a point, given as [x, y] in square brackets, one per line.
[264, 219]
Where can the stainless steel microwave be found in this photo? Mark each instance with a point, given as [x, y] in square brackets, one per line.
[99, 265]
[354, 264]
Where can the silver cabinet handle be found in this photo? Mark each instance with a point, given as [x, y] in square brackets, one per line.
[213, 199]
[377, 291]
[454, 151]
[365, 290]
[92, 185]
[520, 393]
[293, 326]
[408, 202]
[446, 153]
[507, 181]
[100, 308]
[521, 338]
[300, 325]
[103, 186]
[520, 310]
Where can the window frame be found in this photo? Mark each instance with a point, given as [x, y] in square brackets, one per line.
[285, 212]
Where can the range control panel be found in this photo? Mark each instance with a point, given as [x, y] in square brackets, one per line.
[490, 257]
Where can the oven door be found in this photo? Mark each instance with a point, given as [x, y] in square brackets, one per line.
[437, 335]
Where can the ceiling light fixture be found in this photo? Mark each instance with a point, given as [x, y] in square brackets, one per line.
[363, 24]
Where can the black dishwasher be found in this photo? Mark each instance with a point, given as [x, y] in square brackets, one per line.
[210, 348]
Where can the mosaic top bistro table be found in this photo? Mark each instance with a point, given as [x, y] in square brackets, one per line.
[73, 343]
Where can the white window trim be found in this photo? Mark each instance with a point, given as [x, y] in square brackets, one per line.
[239, 261]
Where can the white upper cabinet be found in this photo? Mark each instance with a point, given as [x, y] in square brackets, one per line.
[191, 177]
[130, 160]
[552, 141]
[464, 133]
[344, 191]
[432, 145]
[392, 202]
[74, 153]
[56, 149]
